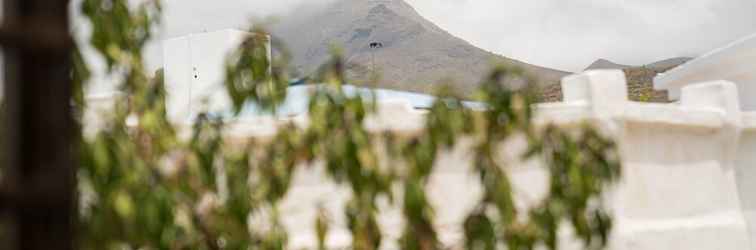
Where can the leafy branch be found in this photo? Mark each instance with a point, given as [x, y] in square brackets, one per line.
[146, 186]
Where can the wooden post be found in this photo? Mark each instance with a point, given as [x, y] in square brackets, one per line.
[38, 194]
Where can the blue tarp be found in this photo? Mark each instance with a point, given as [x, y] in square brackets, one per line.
[298, 97]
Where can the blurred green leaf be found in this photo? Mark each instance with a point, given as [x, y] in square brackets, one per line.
[151, 184]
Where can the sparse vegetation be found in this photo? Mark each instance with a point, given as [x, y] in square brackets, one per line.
[640, 84]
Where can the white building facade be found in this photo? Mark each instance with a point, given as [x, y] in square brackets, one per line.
[194, 68]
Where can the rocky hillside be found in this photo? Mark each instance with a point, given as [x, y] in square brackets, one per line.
[605, 64]
[639, 80]
[668, 64]
[409, 52]
[662, 65]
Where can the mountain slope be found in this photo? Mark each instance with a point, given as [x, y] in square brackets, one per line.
[415, 54]
[668, 63]
[605, 64]
[662, 65]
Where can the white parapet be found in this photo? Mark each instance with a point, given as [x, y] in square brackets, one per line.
[680, 188]
[605, 90]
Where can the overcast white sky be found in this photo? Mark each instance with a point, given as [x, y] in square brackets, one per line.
[563, 34]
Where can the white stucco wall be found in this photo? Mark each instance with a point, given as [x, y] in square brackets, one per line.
[746, 172]
[194, 72]
[689, 168]
[734, 62]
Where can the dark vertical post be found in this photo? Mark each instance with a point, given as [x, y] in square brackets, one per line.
[38, 190]
[372, 61]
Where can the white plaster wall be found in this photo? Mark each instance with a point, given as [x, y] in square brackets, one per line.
[677, 192]
[734, 62]
[689, 169]
[746, 172]
[194, 72]
[453, 190]
[680, 189]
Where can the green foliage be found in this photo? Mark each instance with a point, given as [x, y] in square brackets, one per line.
[251, 74]
[120, 32]
[145, 187]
